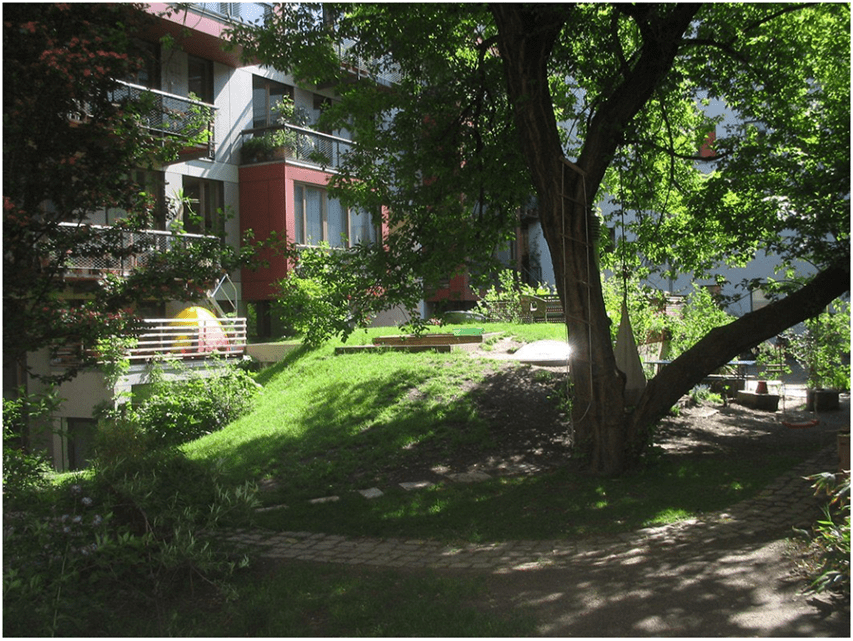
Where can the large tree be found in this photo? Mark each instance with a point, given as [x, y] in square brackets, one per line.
[490, 104]
[71, 142]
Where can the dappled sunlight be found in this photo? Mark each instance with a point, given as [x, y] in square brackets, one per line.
[652, 591]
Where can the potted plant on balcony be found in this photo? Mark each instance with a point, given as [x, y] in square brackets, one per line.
[280, 143]
[823, 350]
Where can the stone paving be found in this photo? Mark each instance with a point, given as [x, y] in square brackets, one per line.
[786, 502]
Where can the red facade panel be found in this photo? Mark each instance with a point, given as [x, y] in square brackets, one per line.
[266, 205]
[263, 208]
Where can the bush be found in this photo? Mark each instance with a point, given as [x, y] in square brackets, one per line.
[828, 559]
[118, 545]
[23, 471]
[502, 302]
[176, 412]
[650, 320]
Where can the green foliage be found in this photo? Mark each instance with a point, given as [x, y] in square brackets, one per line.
[652, 322]
[823, 349]
[24, 470]
[502, 301]
[123, 542]
[330, 292]
[700, 314]
[646, 309]
[828, 563]
[177, 411]
[702, 393]
[262, 147]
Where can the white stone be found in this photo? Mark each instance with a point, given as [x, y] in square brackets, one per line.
[415, 485]
[469, 477]
[371, 493]
[325, 499]
[271, 508]
[547, 353]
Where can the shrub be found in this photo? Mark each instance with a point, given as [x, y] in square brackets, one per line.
[502, 302]
[23, 471]
[828, 559]
[118, 544]
[649, 318]
[179, 411]
[823, 349]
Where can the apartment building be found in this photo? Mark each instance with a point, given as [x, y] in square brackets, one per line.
[224, 187]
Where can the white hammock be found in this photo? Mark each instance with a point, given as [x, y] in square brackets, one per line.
[628, 359]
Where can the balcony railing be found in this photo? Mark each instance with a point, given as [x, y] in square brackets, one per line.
[174, 339]
[304, 145]
[361, 67]
[252, 12]
[147, 243]
[175, 117]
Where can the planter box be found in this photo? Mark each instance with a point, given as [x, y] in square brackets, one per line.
[727, 386]
[821, 400]
[429, 339]
[766, 402]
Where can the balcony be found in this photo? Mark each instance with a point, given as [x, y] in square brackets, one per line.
[90, 263]
[289, 142]
[174, 117]
[359, 67]
[170, 339]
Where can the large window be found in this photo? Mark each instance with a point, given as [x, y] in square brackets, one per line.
[323, 219]
[200, 78]
[265, 94]
[204, 201]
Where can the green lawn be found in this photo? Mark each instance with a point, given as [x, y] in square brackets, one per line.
[331, 425]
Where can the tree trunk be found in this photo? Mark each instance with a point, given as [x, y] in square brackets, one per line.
[567, 191]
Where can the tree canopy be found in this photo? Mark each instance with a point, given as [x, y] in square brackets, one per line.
[493, 104]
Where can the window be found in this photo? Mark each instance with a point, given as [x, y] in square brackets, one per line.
[323, 219]
[152, 183]
[265, 94]
[149, 74]
[758, 299]
[204, 201]
[80, 433]
[200, 78]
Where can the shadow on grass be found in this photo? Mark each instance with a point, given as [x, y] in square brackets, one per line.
[355, 429]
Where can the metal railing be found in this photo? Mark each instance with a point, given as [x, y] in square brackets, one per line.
[304, 145]
[88, 259]
[252, 12]
[172, 115]
[173, 339]
[383, 73]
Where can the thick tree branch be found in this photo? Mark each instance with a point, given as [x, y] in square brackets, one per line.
[725, 343]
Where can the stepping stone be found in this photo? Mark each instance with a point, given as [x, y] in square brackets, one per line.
[415, 485]
[325, 499]
[548, 353]
[371, 493]
[469, 477]
[270, 508]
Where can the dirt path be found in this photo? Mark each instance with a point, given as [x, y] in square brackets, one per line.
[738, 589]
